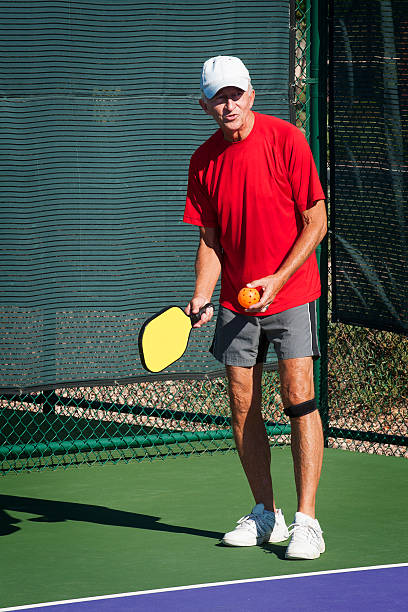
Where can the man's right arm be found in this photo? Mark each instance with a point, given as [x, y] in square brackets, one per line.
[208, 269]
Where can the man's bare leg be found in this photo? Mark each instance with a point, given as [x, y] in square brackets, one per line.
[249, 431]
[297, 386]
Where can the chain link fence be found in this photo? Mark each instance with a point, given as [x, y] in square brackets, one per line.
[160, 418]
[367, 390]
[149, 417]
[367, 368]
[138, 421]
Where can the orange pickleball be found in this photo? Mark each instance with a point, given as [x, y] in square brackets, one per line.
[248, 296]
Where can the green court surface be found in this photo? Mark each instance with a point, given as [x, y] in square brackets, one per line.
[98, 530]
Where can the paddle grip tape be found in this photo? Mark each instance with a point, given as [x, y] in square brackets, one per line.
[301, 409]
[195, 317]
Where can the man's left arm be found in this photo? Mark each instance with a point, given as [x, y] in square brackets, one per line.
[313, 232]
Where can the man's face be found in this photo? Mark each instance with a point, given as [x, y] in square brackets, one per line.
[231, 108]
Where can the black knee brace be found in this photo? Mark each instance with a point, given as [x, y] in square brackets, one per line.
[301, 409]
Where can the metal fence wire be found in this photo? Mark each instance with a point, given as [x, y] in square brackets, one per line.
[367, 368]
[95, 191]
[367, 390]
[157, 418]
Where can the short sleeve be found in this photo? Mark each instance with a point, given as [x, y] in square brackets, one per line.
[198, 210]
[302, 172]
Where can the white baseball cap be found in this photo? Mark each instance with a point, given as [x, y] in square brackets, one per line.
[223, 71]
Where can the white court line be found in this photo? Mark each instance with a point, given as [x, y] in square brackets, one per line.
[205, 585]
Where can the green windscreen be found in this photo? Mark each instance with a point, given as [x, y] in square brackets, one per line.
[99, 118]
[369, 163]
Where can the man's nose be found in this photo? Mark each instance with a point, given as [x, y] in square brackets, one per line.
[230, 104]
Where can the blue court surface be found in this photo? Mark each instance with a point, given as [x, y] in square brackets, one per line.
[366, 589]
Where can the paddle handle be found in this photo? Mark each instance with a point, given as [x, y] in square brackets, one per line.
[195, 317]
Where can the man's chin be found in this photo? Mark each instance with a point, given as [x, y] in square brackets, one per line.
[235, 122]
[231, 127]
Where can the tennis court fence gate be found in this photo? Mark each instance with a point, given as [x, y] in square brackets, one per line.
[100, 118]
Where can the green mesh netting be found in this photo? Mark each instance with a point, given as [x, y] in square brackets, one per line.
[99, 118]
[369, 158]
[367, 358]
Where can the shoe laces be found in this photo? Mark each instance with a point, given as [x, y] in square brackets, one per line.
[309, 533]
[254, 522]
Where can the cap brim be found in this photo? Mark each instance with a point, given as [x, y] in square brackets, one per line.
[211, 90]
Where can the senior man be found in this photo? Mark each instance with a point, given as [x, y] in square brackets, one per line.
[254, 193]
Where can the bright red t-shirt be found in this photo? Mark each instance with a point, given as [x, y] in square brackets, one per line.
[253, 191]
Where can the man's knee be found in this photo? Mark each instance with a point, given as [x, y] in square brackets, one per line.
[244, 387]
[301, 409]
[296, 378]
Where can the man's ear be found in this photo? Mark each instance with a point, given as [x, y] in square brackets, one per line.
[203, 106]
[252, 98]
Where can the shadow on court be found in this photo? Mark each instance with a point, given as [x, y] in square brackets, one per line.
[58, 512]
[276, 549]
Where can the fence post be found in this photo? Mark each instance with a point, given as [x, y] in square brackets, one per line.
[317, 83]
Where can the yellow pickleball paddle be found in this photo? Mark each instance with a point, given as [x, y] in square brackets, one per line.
[163, 338]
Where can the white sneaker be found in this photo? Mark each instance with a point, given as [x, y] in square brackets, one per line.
[306, 538]
[258, 527]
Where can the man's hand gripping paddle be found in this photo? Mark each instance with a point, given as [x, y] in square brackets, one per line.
[163, 338]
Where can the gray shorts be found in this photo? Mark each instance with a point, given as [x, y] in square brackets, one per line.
[243, 340]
